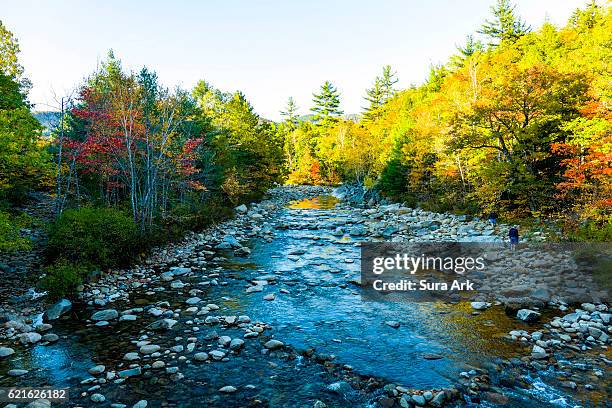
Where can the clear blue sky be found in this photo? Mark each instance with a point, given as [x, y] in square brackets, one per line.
[268, 49]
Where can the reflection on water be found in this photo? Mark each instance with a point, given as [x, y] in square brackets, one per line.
[316, 203]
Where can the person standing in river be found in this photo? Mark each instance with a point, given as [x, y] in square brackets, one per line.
[493, 218]
[513, 234]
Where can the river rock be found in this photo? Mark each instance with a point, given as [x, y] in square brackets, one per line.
[212, 320]
[163, 324]
[228, 389]
[44, 327]
[439, 399]
[6, 351]
[241, 209]
[528, 315]
[17, 373]
[39, 403]
[50, 337]
[217, 354]
[98, 398]
[480, 305]
[200, 356]
[131, 356]
[58, 309]
[141, 404]
[340, 388]
[149, 349]
[108, 314]
[96, 370]
[236, 344]
[130, 372]
[273, 344]
[29, 338]
[224, 341]
[179, 271]
[167, 276]
[393, 323]
[538, 352]
[158, 364]
[418, 400]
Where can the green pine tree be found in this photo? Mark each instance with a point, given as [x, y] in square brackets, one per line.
[388, 82]
[506, 25]
[290, 113]
[470, 48]
[326, 103]
[375, 97]
[382, 90]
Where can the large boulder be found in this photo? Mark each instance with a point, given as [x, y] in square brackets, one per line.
[58, 309]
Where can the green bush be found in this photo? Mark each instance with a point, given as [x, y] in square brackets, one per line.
[104, 237]
[393, 180]
[190, 216]
[62, 278]
[591, 232]
[10, 237]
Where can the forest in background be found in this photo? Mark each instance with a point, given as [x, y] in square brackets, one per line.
[518, 122]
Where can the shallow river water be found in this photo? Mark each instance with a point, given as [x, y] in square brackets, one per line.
[315, 307]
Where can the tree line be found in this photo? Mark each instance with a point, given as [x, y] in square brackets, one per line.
[518, 122]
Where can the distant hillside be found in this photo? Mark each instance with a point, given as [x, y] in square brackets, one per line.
[49, 119]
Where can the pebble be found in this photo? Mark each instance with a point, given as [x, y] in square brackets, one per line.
[228, 389]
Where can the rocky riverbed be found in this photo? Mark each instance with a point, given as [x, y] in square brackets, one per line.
[266, 310]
